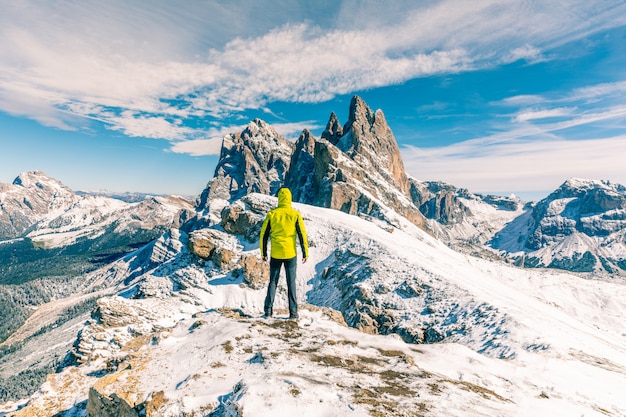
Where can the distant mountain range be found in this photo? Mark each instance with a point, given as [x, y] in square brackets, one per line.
[94, 288]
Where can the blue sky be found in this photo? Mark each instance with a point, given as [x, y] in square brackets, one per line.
[494, 96]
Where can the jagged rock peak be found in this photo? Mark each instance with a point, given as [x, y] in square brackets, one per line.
[368, 138]
[360, 114]
[257, 125]
[305, 141]
[253, 160]
[299, 178]
[334, 130]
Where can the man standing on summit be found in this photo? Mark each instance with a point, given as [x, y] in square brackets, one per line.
[281, 226]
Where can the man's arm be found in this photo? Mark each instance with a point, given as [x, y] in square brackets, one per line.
[304, 243]
[265, 234]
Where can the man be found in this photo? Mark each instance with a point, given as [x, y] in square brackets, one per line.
[281, 226]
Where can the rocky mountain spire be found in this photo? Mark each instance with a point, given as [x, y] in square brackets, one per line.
[359, 169]
[254, 160]
[369, 140]
[300, 177]
[356, 169]
[333, 131]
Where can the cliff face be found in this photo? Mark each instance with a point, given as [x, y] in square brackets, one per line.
[254, 160]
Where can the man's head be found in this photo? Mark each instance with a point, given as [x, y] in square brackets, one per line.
[284, 197]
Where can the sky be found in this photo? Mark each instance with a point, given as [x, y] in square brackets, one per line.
[495, 96]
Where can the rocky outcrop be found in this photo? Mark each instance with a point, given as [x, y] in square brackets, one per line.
[300, 179]
[238, 220]
[255, 272]
[439, 201]
[254, 160]
[214, 245]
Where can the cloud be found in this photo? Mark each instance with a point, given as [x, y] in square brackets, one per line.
[528, 115]
[526, 52]
[528, 157]
[161, 64]
[198, 147]
[524, 166]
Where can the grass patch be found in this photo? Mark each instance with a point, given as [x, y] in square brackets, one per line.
[228, 346]
[482, 391]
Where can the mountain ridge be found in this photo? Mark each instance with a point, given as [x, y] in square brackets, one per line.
[395, 287]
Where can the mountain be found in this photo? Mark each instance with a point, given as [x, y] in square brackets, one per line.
[52, 236]
[29, 198]
[464, 220]
[254, 160]
[358, 171]
[356, 168]
[408, 305]
[580, 227]
[431, 331]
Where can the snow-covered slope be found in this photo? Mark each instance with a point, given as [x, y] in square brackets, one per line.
[184, 335]
[91, 217]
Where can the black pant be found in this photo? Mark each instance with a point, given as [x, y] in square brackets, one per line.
[290, 271]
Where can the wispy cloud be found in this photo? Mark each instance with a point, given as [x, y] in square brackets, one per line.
[528, 156]
[527, 115]
[145, 69]
[522, 165]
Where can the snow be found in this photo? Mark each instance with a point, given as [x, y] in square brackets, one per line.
[552, 343]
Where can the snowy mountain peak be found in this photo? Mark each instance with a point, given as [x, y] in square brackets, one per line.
[576, 186]
[39, 180]
[257, 127]
[581, 227]
[30, 197]
[253, 160]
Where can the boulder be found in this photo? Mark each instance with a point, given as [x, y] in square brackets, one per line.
[255, 272]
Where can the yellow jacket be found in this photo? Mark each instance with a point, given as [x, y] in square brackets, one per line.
[281, 226]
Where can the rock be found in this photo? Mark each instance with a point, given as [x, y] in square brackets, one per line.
[301, 172]
[154, 287]
[236, 219]
[117, 312]
[254, 160]
[201, 244]
[213, 245]
[222, 258]
[334, 130]
[255, 272]
[116, 395]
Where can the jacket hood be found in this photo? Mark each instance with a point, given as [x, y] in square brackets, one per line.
[284, 197]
